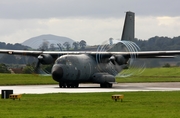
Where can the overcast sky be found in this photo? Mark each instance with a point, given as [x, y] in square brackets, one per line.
[94, 21]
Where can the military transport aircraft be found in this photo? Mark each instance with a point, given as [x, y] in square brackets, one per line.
[73, 67]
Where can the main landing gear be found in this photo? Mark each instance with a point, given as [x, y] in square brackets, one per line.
[106, 85]
[76, 85]
[68, 85]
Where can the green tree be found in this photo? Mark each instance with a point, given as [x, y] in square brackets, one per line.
[82, 44]
[4, 69]
[44, 45]
[28, 69]
[67, 45]
[167, 65]
[60, 46]
[75, 44]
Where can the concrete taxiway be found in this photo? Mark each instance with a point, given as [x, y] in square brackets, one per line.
[84, 88]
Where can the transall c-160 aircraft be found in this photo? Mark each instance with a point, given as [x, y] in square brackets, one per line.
[73, 67]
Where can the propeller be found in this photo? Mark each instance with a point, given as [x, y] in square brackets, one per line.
[37, 68]
[116, 63]
[43, 59]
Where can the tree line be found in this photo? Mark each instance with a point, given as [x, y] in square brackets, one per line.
[159, 43]
[15, 46]
[152, 44]
[63, 46]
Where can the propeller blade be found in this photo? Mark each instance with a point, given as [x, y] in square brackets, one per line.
[37, 68]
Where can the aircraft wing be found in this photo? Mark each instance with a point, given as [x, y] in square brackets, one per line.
[21, 52]
[141, 54]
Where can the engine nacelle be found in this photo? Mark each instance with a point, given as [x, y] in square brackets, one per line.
[103, 78]
[45, 59]
[120, 59]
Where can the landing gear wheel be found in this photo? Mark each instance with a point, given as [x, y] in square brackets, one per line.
[106, 85]
[102, 86]
[68, 85]
[109, 85]
[62, 85]
[72, 85]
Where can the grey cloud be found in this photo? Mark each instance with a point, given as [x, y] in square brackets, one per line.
[25, 9]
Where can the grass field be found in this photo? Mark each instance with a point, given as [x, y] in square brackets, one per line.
[25, 79]
[93, 105]
[155, 75]
[149, 75]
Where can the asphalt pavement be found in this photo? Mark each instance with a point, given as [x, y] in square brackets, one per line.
[85, 88]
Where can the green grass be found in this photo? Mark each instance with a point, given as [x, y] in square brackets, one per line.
[93, 105]
[149, 75]
[25, 79]
[171, 71]
[154, 75]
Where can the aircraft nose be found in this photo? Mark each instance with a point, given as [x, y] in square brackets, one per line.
[57, 73]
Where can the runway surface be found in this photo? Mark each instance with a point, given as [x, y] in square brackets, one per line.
[84, 88]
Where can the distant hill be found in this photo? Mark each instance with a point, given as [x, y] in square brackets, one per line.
[35, 42]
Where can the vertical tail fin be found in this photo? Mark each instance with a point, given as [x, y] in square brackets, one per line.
[127, 34]
[128, 30]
